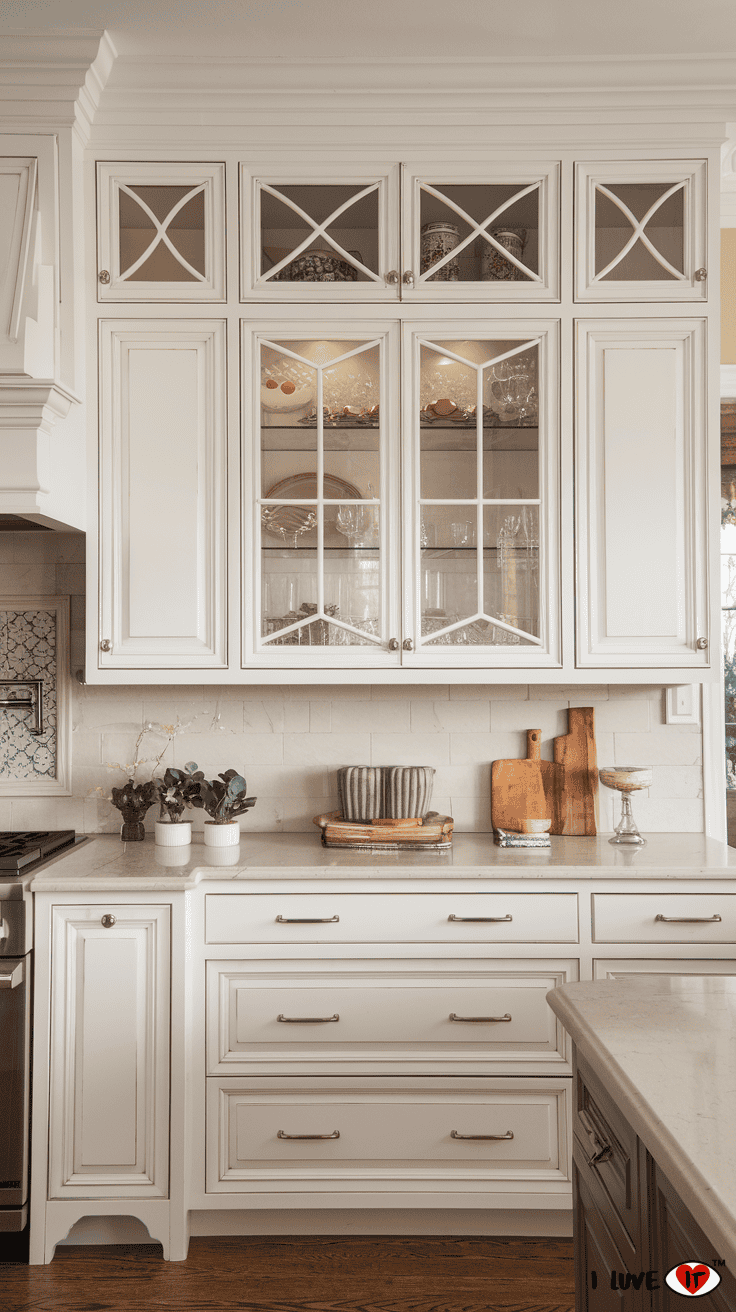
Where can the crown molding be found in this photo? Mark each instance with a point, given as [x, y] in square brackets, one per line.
[54, 79]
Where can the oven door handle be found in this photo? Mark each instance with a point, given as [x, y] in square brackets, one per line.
[11, 976]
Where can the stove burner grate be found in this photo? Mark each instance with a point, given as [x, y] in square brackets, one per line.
[18, 850]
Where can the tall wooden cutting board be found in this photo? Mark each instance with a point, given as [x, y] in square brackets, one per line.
[564, 790]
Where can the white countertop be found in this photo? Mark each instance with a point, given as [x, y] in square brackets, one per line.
[104, 863]
[665, 1048]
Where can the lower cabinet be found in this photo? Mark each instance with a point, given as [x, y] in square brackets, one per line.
[630, 1226]
[389, 1135]
[109, 1074]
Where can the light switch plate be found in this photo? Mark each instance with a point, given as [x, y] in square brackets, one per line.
[682, 704]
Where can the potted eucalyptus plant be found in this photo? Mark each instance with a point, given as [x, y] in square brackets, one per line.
[224, 799]
[176, 793]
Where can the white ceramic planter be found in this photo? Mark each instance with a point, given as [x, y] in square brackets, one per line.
[216, 835]
[168, 835]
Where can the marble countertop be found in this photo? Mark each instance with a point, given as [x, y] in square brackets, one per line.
[104, 863]
[665, 1047]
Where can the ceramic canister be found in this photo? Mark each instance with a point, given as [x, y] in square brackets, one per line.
[407, 791]
[438, 239]
[360, 792]
[494, 267]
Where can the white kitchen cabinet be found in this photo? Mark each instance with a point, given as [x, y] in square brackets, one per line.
[163, 468]
[419, 493]
[641, 548]
[317, 232]
[394, 1136]
[363, 548]
[161, 232]
[109, 1071]
[641, 231]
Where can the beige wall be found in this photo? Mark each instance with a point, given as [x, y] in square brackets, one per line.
[728, 295]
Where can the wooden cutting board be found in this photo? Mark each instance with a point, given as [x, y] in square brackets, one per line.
[564, 790]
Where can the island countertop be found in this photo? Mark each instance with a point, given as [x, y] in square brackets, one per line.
[665, 1048]
[104, 863]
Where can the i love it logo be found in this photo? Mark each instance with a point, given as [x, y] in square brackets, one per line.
[692, 1279]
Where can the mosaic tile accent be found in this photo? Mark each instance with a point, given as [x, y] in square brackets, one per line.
[28, 651]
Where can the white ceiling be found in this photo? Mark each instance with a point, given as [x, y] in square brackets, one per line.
[455, 29]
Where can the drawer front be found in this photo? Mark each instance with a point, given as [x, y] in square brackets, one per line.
[391, 917]
[382, 1133]
[607, 1153]
[297, 1012]
[664, 917]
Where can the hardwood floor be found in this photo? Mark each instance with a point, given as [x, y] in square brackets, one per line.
[314, 1274]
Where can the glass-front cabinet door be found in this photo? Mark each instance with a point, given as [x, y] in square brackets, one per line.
[321, 444]
[486, 232]
[161, 232]
[641, 231]
[304, 230]
[481, 488]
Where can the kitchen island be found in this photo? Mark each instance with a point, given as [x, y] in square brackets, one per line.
[195, 1024]
[655, 1062]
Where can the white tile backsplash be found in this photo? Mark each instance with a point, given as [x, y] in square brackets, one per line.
[289, 742]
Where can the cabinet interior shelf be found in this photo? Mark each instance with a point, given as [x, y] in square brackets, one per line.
[433, 438]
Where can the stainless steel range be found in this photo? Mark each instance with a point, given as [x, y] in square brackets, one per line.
[20, 854]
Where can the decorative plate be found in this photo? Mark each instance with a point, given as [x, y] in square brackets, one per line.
[287, 522]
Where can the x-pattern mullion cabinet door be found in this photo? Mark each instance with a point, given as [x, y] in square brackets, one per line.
[640, 469]
[641, 231]
[161, 232]
[482, 232]
[321, 504]
[326, 234]
[481, 489]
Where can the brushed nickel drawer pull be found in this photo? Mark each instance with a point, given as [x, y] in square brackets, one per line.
[283, 1135]
[603, 1152]
[477, 920]
[478, 1020]
[455, 1134]
[690, 920]
[307, 920]
[308, 1020]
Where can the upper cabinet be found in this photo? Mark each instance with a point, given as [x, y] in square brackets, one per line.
[641, 231]
[484, 232]
[161, 232]
[420, 532]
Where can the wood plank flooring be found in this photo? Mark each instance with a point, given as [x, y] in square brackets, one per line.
[363, 1273]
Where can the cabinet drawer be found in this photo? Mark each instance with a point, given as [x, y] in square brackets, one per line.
[391, 917]
[385, 1133]
[600, 1131]
[452, 1013]
[664, 917]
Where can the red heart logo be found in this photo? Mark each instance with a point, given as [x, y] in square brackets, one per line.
[692, 1278]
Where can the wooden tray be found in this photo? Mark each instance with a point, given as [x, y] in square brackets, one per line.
[434, 832]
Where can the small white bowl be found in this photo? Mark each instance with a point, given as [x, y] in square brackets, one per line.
[535, 826]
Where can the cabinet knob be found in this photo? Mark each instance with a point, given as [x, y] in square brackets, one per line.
[408, 279]
[700, 275]
[702, 644]
[108, 921]
[105, 645]
[393, 644]
[104, 277]
[407, 644]
[392, 278]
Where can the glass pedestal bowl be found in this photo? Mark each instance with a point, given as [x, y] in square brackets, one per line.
[626, 779]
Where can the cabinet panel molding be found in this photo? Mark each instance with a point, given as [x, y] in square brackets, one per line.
[641, 550]
[163, 471]
[109, 1081]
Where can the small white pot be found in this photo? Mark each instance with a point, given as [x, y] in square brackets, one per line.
[168, 835]
[218, 835]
